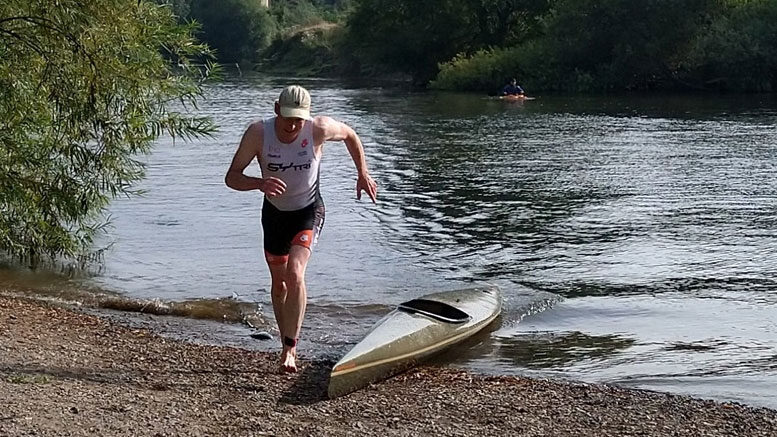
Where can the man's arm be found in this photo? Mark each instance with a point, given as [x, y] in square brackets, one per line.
[249, 148]
[333, 130]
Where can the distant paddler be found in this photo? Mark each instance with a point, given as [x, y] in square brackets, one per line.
[512, 89]
[513, 92]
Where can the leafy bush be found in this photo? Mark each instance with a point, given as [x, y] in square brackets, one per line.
[311, 51]
[408, 35]
[489, 70]
[738, 51]
[85, 87]
[592, 45]
[291, 16]
[238, 30]
[484, 70]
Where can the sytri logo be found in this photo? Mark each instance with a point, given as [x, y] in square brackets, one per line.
[282, 167]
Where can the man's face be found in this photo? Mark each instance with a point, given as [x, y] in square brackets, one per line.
[291, 125]
[288, 125]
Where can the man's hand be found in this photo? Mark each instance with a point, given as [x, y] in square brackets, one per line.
[272, 186]
[366, 183]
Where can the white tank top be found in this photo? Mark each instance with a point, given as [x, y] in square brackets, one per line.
[295, 163]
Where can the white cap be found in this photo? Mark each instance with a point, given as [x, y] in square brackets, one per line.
[295, 102]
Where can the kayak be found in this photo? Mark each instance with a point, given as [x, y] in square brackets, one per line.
[413, 331]
[515, 98]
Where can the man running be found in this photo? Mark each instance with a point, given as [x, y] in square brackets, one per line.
[289, 148]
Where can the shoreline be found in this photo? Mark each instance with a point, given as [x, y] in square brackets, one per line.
[67, 372]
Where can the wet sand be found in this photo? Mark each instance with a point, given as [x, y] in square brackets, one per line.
[67, 373]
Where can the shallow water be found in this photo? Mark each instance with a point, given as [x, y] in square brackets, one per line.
[635, 238]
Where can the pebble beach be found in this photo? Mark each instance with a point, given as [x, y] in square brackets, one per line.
[67, 373]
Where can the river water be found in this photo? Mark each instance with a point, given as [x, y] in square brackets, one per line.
[635, 238]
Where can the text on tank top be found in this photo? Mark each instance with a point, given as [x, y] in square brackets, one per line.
[294, 163]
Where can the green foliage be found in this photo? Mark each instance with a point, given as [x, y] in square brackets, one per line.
[409, 35]
[482, 70]
[624, 44]
[244, 31]
[489, 70]
[309, 40]
[293, 15]
[236, 29]
[738, 51]
[603, 45]
[506, 23]
[416, 37]
[564, 45]
[85, 87]
[181, 8]
[313, 50]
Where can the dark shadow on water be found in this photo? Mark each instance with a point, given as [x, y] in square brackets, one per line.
[541, 350]
[472, 347]
[688, 286]
[311, 385]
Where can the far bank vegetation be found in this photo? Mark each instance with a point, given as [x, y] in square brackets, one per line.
[476, 45]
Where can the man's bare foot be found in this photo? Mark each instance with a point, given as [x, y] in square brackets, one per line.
[289, 360]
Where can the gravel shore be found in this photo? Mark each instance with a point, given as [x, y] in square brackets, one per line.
[66, 373]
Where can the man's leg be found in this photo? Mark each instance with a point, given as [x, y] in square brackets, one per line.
[293, 308]
[278, 289]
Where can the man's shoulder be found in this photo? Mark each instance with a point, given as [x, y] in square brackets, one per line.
[327, 128]
[322, 120]
[254, 133]
[323, 123]
[257, 124]
[256, 127]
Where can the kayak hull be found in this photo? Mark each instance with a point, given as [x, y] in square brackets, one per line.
[412, 332]
[515, 98]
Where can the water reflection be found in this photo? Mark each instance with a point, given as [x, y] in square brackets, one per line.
[748, 289]
[558, 349]
[563, 201]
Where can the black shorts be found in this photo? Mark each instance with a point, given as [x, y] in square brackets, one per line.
[282, 229]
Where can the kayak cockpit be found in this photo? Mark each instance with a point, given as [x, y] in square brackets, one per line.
[436, 310]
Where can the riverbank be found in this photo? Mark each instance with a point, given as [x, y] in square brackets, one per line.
[66, 373]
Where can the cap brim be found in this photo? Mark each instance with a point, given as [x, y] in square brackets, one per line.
[296, 113]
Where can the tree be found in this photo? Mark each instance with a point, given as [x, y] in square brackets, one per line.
[85, 88]
[624, 44]
[506, 23]
[414, 37]
[410, 36]
[236, 29]
[738, 50]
